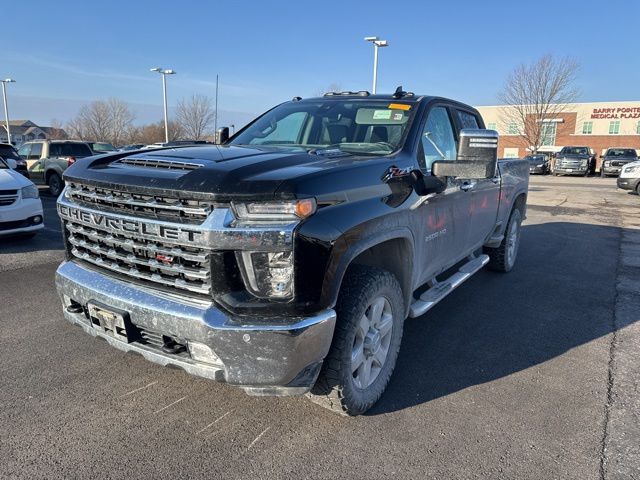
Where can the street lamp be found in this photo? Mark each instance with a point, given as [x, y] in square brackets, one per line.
[6, 109]
[164, 94]
[377, 43]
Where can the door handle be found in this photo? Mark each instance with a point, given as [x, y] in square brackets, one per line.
[466, 186]
[495, 180]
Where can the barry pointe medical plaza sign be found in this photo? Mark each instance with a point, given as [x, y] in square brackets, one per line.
[616, 112]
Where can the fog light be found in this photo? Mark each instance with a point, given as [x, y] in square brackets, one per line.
[203, 353]
[269, 274]
[37, 219]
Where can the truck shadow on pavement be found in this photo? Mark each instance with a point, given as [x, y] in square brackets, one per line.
[560, 295]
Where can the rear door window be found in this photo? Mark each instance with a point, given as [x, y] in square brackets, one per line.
[467, 120]
[36, 151]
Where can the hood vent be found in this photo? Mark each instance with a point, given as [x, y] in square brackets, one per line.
[159, 164]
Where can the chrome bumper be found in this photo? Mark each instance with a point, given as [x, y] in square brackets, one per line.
[281, 357]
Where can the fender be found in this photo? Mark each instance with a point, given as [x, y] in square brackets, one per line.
[345, 251]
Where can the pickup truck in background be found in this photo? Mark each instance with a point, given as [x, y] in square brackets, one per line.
[574, 161]
[286, 260]
[615, 158]
[48, 159]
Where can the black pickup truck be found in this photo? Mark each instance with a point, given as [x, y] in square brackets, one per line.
[286, 260]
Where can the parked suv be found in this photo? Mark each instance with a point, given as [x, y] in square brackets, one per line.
[629, 178]
[616, 158]
[574, 161]
[47, 159]
[101, 147]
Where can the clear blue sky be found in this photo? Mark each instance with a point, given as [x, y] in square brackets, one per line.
[66, 53]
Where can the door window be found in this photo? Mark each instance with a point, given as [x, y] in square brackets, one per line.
[438, 140]
[468, 120]
[36, 150]
[23, 151]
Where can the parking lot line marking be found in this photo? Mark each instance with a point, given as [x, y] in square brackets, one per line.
[138, 389]
[170, 405]
[214, 422]
[258, 438]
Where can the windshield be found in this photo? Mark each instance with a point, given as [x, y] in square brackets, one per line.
[621, 152]
[362, 127]
[575, 151]
[535, 158]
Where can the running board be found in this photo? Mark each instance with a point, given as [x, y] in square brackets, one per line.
[441, 289]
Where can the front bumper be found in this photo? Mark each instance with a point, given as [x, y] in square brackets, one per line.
[279, 357]
[537, 170]
[628, 183]
[571, 171]
[611, 170]
[21, 217]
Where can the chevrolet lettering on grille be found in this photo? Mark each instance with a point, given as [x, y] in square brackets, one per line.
[127, 225]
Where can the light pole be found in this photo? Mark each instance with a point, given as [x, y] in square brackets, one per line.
[377, 43]
[164, 94]
[6, 109]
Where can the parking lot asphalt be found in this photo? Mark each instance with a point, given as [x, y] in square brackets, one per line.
[532, 374]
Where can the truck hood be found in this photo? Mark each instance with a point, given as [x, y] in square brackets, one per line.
[219, 172]
[12, 180]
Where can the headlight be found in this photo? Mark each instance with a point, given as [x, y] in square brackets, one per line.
[540, 166]
[584, 163]
[268, 274]
[270, 212]
[607, 163]
[30, 191]
[631, 169]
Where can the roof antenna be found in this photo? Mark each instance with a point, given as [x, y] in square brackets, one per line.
[399, 93]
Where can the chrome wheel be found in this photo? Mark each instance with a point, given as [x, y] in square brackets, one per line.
[371, 342]
[513, 240]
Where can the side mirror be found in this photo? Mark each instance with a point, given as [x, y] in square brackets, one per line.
[11, 162]
[222, 135]
[477, 156]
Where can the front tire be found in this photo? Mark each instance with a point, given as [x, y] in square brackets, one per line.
[503, 258]
[370, 317]
[55, 184]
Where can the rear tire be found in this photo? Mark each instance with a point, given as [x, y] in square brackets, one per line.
[503, 258]
[55, 184]
[365, 344]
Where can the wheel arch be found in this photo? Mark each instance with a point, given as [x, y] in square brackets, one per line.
[392, 251]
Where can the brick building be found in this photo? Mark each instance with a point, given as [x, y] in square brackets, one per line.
[598, 125]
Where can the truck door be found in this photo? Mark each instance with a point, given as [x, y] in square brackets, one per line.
[36, 167]
[485, 193]
[444, 217]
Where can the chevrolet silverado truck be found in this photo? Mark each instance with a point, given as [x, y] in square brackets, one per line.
[285, 260]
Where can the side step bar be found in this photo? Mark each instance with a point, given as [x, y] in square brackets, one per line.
[441, 289]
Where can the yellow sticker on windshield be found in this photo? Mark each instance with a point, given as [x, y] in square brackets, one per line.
[399, 106]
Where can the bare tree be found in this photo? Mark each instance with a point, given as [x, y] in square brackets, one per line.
[537, 93]
[195, 115]
[102, 120]
[154, 132]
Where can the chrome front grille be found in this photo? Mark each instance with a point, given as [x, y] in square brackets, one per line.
[180, 267]
[8, 197]
[158, 207]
